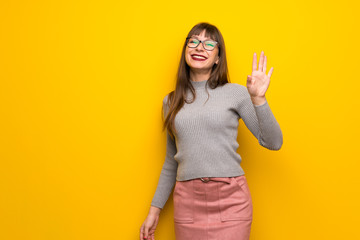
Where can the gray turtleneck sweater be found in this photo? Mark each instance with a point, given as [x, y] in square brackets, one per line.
[206, 142]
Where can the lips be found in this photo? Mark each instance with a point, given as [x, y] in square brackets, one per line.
[198, 59]
[198, 55]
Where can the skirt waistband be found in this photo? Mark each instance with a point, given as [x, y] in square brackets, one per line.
[215, 179]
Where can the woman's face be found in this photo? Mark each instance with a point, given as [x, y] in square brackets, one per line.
[209, 57]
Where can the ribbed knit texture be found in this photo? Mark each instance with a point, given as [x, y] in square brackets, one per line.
[206, 142]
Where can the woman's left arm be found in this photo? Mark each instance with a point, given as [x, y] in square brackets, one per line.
[255, 110]
[260, 120]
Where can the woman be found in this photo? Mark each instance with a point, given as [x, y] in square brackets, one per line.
[211, 196]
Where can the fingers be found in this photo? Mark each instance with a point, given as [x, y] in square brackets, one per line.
[152, 237]
[142, 232]
[261, 61]
[264, 67]
[146, 233]
[270, 72]
[254, 63]
[151, 234]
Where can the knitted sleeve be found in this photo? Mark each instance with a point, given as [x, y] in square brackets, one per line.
[167, 177]
[259, 119]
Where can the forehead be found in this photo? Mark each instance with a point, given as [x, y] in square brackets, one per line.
[203, 35]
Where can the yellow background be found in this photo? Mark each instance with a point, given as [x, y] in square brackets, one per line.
[81, 90]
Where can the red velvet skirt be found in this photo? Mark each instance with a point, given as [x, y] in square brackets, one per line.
[212, 209]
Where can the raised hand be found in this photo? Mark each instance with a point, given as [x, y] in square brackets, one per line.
[258, 83]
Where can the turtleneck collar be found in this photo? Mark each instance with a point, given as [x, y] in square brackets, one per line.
[198, 84]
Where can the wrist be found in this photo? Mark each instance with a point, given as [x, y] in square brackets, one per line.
[258, 100]
[154, 210]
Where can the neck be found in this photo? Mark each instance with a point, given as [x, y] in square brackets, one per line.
[198, 85]
[198, 75]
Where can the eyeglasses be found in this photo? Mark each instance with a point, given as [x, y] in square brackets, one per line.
[207, 44]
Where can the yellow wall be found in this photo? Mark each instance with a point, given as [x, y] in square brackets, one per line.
[81, 89]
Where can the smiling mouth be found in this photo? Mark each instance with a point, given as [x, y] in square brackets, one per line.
[198, 57]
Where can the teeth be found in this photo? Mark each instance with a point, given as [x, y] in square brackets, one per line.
[199, 57]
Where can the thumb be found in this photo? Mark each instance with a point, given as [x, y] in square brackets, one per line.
[249, 78]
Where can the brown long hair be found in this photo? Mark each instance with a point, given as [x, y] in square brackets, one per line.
[218, 77]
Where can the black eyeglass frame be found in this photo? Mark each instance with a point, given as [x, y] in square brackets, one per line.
[187, 43]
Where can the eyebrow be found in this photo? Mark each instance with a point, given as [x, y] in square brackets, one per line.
[204, 39]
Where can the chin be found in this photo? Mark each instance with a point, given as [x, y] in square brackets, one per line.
[197, 65]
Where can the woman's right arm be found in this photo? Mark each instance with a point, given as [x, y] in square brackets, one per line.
[164, 188]
[169, 169]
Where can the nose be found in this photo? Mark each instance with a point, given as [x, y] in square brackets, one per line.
[200, 47]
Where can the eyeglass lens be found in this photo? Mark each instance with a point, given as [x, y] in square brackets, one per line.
[208, 44]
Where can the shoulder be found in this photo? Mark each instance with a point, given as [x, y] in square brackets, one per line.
[234, 86]
[166, 100]
[236, 89]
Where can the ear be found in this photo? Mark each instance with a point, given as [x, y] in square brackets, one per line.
[217, 60]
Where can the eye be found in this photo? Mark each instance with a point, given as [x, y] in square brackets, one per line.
[210, 43]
